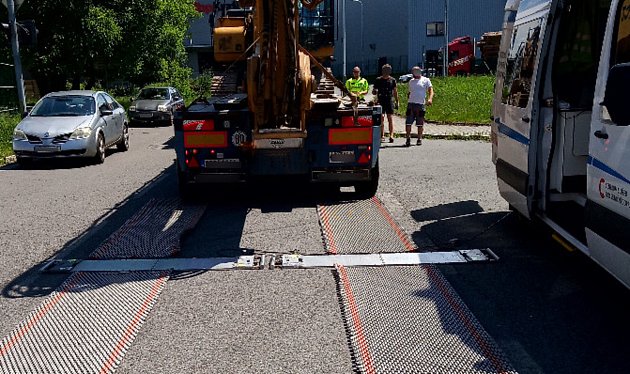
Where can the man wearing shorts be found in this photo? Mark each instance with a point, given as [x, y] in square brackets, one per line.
[386, 94]
[419, 87]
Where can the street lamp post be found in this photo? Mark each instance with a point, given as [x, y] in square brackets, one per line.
[343, 35]
[362, 46]
[445, 56]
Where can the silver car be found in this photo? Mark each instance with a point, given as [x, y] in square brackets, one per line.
[71, 124]
[155, 105]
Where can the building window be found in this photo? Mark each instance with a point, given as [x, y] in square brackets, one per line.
[435, 28]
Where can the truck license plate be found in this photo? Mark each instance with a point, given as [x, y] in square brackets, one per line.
[341, 157]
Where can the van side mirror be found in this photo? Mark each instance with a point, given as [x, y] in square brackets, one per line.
[615, 99]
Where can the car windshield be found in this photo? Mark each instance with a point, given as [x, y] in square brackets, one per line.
[153, 94]
[59, 106]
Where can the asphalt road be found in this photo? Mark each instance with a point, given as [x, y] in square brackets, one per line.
[549, 310]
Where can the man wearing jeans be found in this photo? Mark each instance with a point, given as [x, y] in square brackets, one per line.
[419, 87]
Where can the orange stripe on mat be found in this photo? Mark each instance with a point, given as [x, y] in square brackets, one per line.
[438, 280]
[128, 334]
[38, 316]
[332, 246]
[403, 237]
[364, 352]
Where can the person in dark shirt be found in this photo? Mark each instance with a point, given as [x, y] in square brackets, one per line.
[387, 96]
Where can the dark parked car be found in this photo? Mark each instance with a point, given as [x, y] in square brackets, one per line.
[155, 105]
[71, 124]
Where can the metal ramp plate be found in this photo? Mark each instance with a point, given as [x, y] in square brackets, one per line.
[408, 319]
[161, 264]
[385, 259]
[360, 227]
[85, 326]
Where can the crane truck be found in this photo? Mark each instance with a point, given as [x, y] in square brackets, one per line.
[274, 110]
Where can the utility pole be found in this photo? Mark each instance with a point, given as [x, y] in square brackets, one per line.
[362, 46]
[15, 46]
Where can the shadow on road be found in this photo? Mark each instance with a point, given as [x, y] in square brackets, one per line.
[217, 234]
[550, 311]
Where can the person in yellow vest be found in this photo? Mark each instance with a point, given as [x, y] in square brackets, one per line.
[357, 85]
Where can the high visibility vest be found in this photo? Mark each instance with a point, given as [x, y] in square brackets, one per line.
[357, 85]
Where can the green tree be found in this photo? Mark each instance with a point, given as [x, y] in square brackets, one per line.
[95, 41]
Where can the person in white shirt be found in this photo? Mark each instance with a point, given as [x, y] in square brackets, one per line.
[419, 88]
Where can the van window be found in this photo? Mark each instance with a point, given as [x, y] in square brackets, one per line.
[621, 49]
[580, 38]
[521, 60]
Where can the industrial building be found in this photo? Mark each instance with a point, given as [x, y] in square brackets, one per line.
[400, 31]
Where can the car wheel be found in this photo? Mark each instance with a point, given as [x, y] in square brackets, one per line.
[24, 162]
[123, 145]
[99, 158]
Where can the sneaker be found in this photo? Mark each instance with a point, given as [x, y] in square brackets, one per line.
[419, 142]
[391, 140]
[408, 142]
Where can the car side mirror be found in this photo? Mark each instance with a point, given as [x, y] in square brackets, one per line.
[616, 90]
[24, 114]
[106, 112]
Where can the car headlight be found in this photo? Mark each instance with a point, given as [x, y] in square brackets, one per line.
[132, 108]
[80, 133]
[19, 135]
[162, 108]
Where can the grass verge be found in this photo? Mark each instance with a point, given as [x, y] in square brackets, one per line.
[465, 100]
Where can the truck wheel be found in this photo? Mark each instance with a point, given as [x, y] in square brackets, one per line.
[185, 189]
[366, 190]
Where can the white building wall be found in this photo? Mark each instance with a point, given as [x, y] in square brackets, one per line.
[385, 34]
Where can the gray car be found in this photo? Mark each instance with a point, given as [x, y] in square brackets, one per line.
[71, 124]
[155, 105]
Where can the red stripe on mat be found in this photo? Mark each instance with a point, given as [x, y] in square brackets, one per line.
[483, 344]
[332, 246]
[364, 352]
[129, 331]
[41, 313]
[403, 237]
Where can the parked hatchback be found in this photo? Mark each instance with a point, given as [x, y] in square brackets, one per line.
[71, 124]
[155, 105]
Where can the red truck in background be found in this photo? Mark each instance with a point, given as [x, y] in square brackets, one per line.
[461, 59]
[461, 56]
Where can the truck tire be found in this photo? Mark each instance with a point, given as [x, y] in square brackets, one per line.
[185, 189]
[366, 190]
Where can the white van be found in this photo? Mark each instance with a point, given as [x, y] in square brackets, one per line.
[561, 131]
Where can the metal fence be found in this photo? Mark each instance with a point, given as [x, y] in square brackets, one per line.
[8, 94]
[370, 66]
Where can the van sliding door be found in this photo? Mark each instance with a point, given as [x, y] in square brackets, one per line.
[516, 113]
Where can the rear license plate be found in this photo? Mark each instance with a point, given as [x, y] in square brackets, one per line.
[47, 148]
[341, 157]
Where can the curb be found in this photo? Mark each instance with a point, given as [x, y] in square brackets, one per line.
[9, 160]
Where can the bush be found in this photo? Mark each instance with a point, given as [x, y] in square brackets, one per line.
[7, 125]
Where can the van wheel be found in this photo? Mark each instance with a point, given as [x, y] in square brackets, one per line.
[99, 158]
[366, 190]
